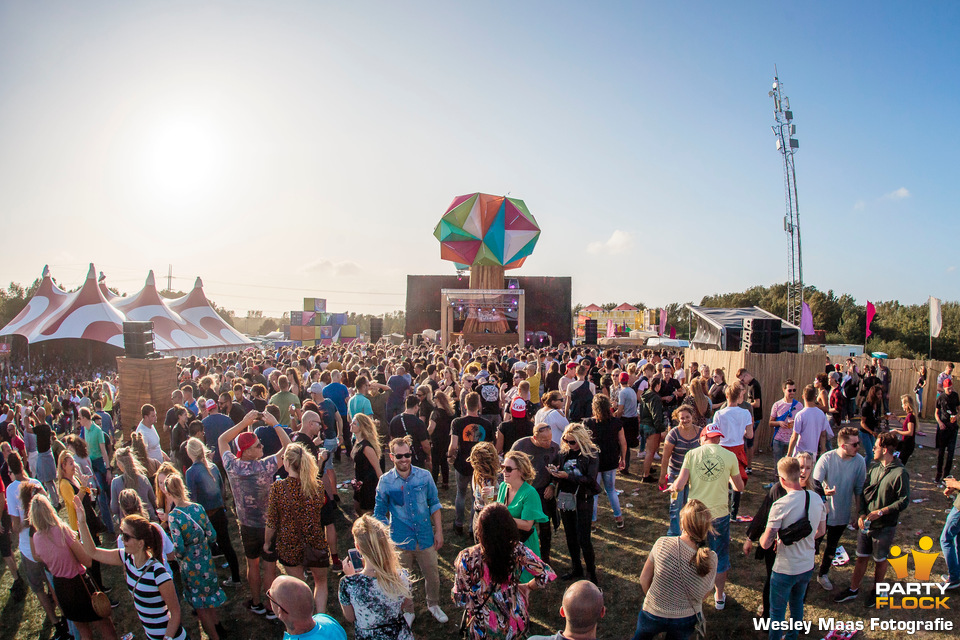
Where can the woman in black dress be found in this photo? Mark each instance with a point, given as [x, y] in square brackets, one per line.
[366, 463]
[576, 485]
[438, 426]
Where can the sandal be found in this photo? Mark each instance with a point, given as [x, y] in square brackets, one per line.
[620, 524]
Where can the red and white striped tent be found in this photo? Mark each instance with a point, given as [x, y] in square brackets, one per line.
[185, 326]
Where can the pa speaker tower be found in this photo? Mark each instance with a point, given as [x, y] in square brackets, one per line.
[590, 332]
[376, 329]
[138, 339]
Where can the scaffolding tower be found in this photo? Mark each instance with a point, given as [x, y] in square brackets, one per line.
[787, 145]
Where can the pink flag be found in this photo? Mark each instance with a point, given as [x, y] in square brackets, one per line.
[673, 332]
[871, 312]
[806, 320]
[611, 331]
[663, 321]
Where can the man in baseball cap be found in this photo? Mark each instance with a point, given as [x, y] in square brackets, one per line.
[519, 426]
[710, 469]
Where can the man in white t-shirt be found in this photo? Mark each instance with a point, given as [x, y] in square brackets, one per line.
[736, 423]
[552, 415]
[810, 427]
[794, 564]
[151, 438]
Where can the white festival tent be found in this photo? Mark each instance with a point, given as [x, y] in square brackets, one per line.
[94, 313]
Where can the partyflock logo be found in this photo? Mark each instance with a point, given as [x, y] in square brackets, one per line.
[912, 595]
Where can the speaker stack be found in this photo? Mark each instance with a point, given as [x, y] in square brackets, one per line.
[590, 332]
[376, 329]
[761, 335]
[138, 340]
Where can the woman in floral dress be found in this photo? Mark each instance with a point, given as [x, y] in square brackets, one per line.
[191, 533]
[488, 583]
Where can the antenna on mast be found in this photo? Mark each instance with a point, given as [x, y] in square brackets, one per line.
[787, 145]
[170, 277]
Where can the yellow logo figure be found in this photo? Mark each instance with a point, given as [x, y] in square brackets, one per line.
[922, 562]
[899, 564]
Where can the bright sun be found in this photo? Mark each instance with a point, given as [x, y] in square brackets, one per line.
[182, 159]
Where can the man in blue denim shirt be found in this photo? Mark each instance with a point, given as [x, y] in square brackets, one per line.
[407, 502]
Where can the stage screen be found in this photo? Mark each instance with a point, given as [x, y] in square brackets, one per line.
[548, 303]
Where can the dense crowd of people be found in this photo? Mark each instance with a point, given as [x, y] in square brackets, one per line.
[533, 438]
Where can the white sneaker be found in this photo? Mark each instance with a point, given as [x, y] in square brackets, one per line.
[409, 616]
[824, 581]
[438, 614]
[720, 603]
[656, 456]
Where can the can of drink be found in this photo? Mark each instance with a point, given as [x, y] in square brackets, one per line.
[866, 526]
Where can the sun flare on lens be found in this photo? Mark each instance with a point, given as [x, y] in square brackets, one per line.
[183, 157]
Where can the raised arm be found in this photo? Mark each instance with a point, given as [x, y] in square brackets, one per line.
[223, 442]
[86, 548]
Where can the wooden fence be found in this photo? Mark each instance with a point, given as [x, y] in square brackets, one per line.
[771, 369]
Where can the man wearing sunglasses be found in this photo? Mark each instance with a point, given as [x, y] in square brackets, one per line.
[408, 503]
[842, 473]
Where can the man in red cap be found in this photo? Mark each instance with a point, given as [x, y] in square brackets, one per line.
[948, 406]
[250, 476]
[519, 426]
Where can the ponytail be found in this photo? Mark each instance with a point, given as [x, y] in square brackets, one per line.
[198, 453]
[696, 522]
[305, 466]
[143, 530]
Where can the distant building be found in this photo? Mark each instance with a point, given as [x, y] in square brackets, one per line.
[625, 317]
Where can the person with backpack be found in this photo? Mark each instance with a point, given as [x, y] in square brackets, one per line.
[650, 413]
[579, 403]
[849, 387]
[409, 423]
[781, 419]
[791, 526]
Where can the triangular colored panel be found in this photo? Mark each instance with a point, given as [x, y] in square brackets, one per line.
[515, 241]
[516, 220]
[514, 264]
[449, 232]
[523, 207]
[526, 250]
[494, 238]
[461, 251]
[459, 214]
[486, 256]
[490, 208]
[459, 200]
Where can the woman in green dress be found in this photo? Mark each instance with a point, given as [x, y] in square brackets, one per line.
[522, 500]
[191, 533]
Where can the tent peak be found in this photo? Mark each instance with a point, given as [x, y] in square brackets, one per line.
[198, 284]
[151, 281]
[92, 272]
[46, 271]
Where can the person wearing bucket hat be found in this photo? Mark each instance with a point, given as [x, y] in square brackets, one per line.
[519, 426]
[251, 476]
[710, 469]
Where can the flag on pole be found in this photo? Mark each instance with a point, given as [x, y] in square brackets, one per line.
[611, 331]
[806, 320]
[673, 332]
[663, 321]
[871, 312]
[936, 320]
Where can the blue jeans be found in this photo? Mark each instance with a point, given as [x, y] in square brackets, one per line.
[779, 450]
[786, 589]
[720, 542]
[675, 507]
[949, 541]
[648, 626]
[103, 498]
[867, 441]
[608, 478]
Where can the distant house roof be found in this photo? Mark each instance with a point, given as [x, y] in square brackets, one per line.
[626, 307]
[592, 307]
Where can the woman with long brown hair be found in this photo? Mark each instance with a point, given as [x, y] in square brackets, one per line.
[606, 431]
[132, 476]
[698, 400]
[487, 582]
[139, 447]
[150, 584]
[439, 429]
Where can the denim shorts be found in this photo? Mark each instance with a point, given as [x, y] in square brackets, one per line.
[876, 543]
[720, 542]
[330, 444]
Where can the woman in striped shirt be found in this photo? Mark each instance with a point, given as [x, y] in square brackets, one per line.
[149, 582]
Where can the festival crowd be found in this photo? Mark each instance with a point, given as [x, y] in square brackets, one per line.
[530, 440]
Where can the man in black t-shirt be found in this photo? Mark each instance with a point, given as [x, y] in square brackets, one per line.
[519, 426]
[490, 406]
[671, 392]
[465, 432]
[755, 398]
[409, 423]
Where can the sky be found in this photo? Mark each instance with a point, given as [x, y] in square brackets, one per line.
[287, 149]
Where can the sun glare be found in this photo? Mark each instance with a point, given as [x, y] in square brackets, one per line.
[183, 158]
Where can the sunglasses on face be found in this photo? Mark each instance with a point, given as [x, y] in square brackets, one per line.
[570, 441]
[401, 456]
[509, 469]
[127, 537]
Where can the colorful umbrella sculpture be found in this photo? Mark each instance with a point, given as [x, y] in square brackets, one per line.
[487, 230]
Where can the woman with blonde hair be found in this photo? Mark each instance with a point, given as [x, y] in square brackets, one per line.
[192, 533]
[366, 463]
[70, 483]
[698, 400]
[166, 469]
[908, 430]
[132, 476]
[205, 484]
[139, 447]
[372, 597]
[576, 485]
[678, 573]
[486, 472]
[522, 500]
[293, 521]
[718, 388]
[57, 547]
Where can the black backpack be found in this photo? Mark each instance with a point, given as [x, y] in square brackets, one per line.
[581, 403]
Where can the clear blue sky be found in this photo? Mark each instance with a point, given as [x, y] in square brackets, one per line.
[284, 149]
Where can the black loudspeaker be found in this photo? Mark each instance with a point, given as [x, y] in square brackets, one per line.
[138, 339]
[590, 332]
[376, 329]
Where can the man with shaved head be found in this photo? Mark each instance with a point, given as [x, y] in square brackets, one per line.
[582, 609]
[292, 600]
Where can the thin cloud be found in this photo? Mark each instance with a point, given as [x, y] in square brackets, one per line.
[859, 205]
[899, 194]
[618, 242]
[330, 268]
[951, 269]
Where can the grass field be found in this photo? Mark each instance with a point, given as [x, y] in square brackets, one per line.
[620, 556]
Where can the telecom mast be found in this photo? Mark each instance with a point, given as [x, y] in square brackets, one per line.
[787, 145]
